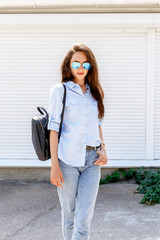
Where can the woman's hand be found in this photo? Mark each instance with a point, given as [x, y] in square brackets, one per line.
[103, 159]
[56, 176]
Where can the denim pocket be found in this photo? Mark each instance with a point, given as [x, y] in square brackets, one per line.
[95, 156]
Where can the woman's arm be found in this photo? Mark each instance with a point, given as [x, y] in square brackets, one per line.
[56, 175]
[54, 147]
[103, 159]
[101, 137]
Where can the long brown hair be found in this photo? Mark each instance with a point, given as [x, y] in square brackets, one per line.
[91, 78]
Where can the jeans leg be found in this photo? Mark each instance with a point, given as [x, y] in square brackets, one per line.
[85, 201]
[67, 196]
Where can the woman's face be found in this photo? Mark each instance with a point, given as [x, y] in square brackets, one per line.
[77, 73]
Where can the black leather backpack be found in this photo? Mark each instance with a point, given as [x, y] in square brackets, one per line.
[40, 133]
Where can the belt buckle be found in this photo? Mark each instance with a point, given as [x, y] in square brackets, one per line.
[89, 147]
[92, 147]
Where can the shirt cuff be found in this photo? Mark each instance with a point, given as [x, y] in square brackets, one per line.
[99, 122]
[53, 125]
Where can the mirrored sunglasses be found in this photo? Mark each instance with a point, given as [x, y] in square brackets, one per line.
[85, 65]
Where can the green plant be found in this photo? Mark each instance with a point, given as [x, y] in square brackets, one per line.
[140, 175]
[128, 174]
[111, 178]
[149, 181]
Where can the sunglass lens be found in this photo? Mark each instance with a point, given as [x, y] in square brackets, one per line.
[75, 65]
[87, 65]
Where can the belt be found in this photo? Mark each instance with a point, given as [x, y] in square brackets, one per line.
[92, 148]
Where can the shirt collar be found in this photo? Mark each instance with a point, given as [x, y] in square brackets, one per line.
[73, 84]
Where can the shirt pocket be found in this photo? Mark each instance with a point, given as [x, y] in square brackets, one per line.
[93, 108]
[72, 112]
[71, 102]
[92, 102]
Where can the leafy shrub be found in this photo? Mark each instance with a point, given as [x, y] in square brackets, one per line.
[111, 178]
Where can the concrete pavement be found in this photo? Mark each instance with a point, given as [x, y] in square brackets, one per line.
[31, 211]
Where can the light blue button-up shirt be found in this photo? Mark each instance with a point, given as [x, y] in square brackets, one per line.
[80, 121]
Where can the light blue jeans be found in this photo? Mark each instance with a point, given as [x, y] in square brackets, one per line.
[78, 196]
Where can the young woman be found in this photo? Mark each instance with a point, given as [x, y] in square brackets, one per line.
[76, 159]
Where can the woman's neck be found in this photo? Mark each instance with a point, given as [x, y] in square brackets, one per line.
[80, 82]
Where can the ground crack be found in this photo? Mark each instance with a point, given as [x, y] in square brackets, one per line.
[46, 211]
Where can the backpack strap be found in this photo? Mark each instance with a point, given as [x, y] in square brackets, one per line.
[63, 101]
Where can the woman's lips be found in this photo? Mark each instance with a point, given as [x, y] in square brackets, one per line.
[80, 73]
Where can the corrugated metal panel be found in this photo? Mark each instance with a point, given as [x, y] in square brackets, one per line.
[157, 99]
[29, 65]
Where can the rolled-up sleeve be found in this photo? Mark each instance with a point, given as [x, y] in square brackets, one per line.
[100, 121]
[55, 108]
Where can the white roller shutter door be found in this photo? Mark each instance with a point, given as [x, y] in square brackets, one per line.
[30, 64]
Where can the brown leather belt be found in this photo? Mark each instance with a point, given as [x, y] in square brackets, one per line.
[92, 148]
